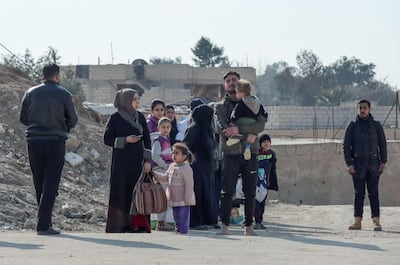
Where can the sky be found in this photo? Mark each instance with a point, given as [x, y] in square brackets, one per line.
[252, 32]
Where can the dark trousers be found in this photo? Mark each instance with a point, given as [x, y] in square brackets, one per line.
[205, 211]
[372, 183]
[46, 158]
[259, 211]
[181, 217]
[233, 165]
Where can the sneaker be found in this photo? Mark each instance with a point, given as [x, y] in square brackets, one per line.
[259, 226]
[164, 226]
[247, 154]
[224, 230]
[50, 231]
[232, 141]
[248, 231]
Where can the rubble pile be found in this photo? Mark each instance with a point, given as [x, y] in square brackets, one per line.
[82, 201]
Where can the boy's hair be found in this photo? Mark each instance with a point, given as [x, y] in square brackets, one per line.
[231, 73]
[185, 151]
[243, 86]
[156, 102]
[365, 101]
[50, 70]
[163, 120]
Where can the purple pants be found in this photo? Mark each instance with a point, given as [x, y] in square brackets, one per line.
[182, 218]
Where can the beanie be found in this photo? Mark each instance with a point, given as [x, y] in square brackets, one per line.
[264, 137]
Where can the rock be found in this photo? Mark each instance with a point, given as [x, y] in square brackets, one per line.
[73, 143]
[70, 212]
[94, 153]
[30, 224]
[2, 129]
[73, 159]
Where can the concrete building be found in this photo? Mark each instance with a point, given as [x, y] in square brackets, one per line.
[174, 83]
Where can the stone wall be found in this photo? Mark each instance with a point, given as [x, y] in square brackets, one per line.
[289, 117]
[317, 174]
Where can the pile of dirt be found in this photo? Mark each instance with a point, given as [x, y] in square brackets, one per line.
[83, 193]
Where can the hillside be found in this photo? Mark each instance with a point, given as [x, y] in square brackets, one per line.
[82, 200]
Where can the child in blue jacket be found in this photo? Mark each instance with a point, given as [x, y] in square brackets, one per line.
[266, 177]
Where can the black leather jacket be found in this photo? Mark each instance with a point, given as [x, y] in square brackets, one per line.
[48, 111]
[364, 146]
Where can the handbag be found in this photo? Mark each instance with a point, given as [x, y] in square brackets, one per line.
[261, 190]
[148, 196]
[239, 189]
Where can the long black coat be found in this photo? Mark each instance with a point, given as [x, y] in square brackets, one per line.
[126, 164]
[364, 146]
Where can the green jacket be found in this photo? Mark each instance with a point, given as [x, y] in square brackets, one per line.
[223, 110]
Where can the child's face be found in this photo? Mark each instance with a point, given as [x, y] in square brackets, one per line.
[239, 95]
[170, 114]
[158, 111]
[177, 156]
[164, 128]
[266, 145]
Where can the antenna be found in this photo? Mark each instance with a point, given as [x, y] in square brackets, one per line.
[112, 54]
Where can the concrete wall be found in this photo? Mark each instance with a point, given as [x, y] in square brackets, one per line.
[289, 117]
[316, 174]
[195, 75]
[173, 81]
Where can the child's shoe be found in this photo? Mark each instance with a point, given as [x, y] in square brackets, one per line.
[164, 226]
[259, 226]
[224, 230]
[232, 141]
[248, 231]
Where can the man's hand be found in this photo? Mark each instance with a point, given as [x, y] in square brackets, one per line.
[231, 131]
[382, 167]
[351, 169]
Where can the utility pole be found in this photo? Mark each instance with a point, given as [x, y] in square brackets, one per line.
[112, 54]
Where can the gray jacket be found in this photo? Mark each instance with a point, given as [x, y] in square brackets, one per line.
[47, 110]
[223, 111]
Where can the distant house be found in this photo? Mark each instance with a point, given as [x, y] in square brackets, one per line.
[174, 83]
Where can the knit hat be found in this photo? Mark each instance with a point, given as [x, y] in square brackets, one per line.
[264, 137]
[195, 102]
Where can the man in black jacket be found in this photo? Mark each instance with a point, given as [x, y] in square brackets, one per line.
[234, 162]
[365, 154]
[49, 113]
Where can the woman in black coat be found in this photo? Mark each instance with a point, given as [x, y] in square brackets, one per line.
[126, 132]
[200, 140]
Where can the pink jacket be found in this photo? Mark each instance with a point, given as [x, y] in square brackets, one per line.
[180, 184]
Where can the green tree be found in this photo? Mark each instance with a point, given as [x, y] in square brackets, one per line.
[73, 85]
[208, 54]
[311, 70]
[164, 60]
[352, 71]
[28, 64]
[288, 85]
[267, 87]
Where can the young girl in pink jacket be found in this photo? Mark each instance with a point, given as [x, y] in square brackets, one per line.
[180, 194]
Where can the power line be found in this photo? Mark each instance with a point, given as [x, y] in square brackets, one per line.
[14, 55]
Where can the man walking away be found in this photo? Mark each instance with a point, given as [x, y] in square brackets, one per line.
[49, 114]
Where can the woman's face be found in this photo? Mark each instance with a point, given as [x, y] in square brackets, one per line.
[135, 102]
[158, 111]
